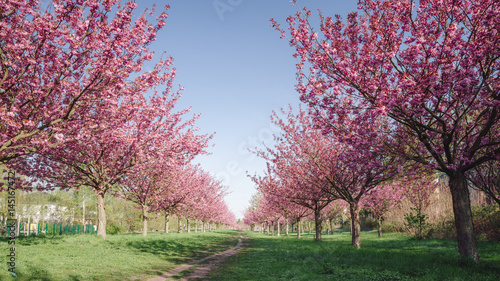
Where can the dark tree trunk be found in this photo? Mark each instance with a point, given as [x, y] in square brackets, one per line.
[355, 224]
[101, 216]
[188, 225]
[331, 225]
[299, 228]
[318, 223]
[467, 244]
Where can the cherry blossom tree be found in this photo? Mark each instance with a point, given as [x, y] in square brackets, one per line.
[133, 133]
[334, 210]
[293, 169]
[429, 69]
[145, 184]
[338, 169]
[383, 198]
[62, 64]
[418, 188]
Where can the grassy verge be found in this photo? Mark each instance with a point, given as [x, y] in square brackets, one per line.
[120, 257]
[392, 257]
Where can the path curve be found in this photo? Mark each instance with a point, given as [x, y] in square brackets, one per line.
[201, 270]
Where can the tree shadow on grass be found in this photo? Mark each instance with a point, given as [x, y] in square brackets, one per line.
[384, 259]
[33, 273]
[177, 251]
[34, 240]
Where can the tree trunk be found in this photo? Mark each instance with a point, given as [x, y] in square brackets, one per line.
[355, 224]
[318, 222]
[195, 226]
[83, 216]
[298, 228]
[101, 216]
[144, 221]
[167, 219]
[379, 227]
[278, 226]
[267, 224]
[467, 244]
[179, 224]
[188, 225]
[331, 225]
[287, 225]
[309, 226]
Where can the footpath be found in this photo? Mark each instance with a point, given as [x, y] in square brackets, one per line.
[202, 270]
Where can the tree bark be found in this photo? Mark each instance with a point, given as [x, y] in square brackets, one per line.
[331, 225]
[298, 228]
[179, 224]
[278, 226]
[101, 216]
[195, 226]
[318, 224]
[379, 227]
[188, 225]
[144, 221]
[287, 225]
[167, 219]
[467, 244]
[355, 224]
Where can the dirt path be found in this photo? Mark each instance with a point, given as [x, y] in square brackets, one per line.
[202, 270]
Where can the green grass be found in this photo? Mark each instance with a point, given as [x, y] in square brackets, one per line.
[120, 257]
[392, 257]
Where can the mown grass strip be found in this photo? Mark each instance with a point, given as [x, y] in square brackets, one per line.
[392, 257]
[121, 256]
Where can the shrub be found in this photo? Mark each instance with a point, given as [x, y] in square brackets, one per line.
[368, 224]
[416, 223]
[487, 222]
[392, 227]
[112, 228]
[442, 230]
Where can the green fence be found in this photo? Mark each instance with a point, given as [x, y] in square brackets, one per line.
[26, 229]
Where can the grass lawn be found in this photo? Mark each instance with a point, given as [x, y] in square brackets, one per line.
[120, 257]
[392, 257]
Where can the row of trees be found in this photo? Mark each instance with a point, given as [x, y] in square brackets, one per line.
[404, 83]
[78, 110]
[309, 173]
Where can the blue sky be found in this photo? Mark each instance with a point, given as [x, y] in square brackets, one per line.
[235, 70]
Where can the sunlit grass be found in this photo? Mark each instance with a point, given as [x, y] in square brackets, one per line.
[392, 257]
[121, 256]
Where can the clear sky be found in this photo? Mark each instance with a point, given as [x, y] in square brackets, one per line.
[235, 70]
